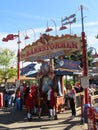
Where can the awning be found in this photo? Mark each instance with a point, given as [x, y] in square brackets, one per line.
[56, 72]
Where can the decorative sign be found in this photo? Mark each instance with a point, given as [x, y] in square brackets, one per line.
[67, 64]
[45, 70]
[85, 82]
[48, 47]
[28, 68]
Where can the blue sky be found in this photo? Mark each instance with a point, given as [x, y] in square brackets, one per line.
[32, 16]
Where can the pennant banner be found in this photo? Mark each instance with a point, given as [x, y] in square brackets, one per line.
[27, 69]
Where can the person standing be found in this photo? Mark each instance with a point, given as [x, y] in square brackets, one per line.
[6, 99]
[18, 99]
[28, 102]
[72, 100]
[34, 94]
[51, 102]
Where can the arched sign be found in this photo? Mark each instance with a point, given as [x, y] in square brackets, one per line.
[48, 47]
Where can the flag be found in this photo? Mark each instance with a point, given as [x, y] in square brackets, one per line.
[70, 22]
[74, 20]
[63, 20]
[71, 16]
[67, 18]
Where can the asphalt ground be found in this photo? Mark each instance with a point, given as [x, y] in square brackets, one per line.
[12, 119]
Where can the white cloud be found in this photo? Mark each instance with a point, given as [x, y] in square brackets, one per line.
[91, 23]
[91, 40]
[90, 27]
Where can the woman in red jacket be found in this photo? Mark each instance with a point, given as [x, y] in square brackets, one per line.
[28, 102]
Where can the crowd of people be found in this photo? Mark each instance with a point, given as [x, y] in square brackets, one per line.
[34, 100]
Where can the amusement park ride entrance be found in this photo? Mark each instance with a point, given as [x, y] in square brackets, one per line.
[50, 47]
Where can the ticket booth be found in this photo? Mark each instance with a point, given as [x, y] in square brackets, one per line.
[45, 49]
[46, 75]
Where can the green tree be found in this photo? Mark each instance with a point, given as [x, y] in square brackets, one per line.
[7, 57]
[77, 56]
[96, 36]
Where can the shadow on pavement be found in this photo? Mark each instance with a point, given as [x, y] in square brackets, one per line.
[10, 116]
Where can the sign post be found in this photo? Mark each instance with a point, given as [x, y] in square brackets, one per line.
[85, 67]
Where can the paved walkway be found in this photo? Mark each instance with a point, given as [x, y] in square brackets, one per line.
[11, 119]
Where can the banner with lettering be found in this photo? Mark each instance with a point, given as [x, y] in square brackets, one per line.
[67, 64]
[48, 47]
